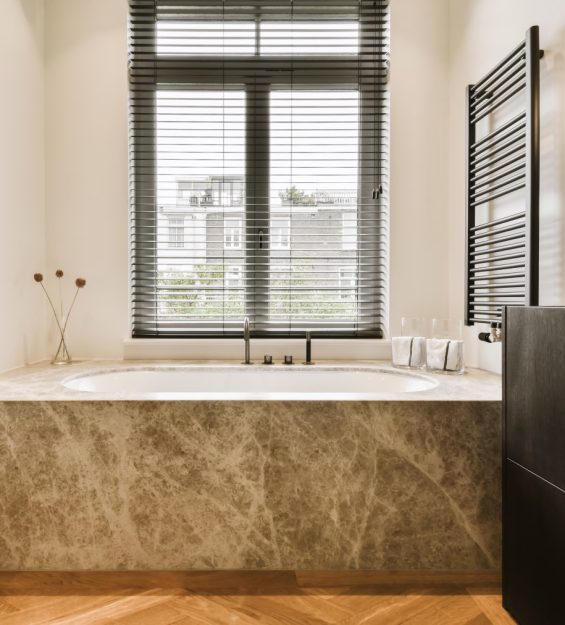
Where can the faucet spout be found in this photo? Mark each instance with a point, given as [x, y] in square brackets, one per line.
[246, 339]
[308, 349]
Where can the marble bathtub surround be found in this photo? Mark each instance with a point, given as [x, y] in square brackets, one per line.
[94, 482]
[114, 485]
[44, 382]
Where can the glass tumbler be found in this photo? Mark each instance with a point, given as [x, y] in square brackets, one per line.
[444, 351]
[409, 349]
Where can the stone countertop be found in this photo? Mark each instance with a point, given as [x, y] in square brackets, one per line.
[43, 382]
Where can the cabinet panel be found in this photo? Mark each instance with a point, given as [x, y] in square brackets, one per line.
[534, 549]
[535, 390]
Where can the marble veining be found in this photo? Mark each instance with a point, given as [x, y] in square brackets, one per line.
[249, 485]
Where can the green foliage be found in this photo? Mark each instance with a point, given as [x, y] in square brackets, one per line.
[295, 196]
[200, 295]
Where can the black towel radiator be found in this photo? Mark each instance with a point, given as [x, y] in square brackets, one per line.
[502, 255]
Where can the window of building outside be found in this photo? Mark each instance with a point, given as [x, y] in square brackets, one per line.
[176, 232]
[232, 233]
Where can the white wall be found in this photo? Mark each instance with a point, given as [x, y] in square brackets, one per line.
[481, 33]
[419, 159]
[87, 176]
[22, 205]
[86, 79]
[439, 46]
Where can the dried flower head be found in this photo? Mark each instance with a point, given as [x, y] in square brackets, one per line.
[80, 282]
[59, 273]
[38, 277]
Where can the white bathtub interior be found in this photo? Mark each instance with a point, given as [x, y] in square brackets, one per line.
[253, 381]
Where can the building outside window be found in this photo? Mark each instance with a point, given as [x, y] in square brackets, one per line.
[176, 232]
[347, 282]
[232, 234]
[280, 234]
[233, 277]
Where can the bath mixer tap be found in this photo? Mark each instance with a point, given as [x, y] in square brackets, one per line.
[246, 338]
[308, 349]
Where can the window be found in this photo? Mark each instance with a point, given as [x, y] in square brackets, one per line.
[233, 278]
[349, 231]
[206, 38]
[259, 144]
[232, 233]
[280, 234]
[347, 282]
[309, 38]
[176, 232]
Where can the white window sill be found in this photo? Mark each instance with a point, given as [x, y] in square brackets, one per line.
[232, 349]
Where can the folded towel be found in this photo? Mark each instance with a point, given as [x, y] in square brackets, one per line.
[444, 354]
[409, 351]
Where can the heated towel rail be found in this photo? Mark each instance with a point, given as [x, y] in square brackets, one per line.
[502, 255]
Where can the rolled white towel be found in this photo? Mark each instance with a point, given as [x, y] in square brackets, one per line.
[409, 351]
[444, 354]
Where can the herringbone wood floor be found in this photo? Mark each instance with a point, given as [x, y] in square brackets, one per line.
[250, 598]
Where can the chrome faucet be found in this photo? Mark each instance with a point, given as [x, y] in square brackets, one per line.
[246, 337]
[308, 349]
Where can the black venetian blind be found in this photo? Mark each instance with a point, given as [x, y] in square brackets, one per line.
[258, 167]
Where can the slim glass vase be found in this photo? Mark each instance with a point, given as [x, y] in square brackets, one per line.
[62, 356]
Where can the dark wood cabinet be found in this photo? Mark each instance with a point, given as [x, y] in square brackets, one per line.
[533, 567]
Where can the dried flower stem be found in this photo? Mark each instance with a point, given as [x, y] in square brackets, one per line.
[61, 329]
[62, 341]
[61, 300]
[70, 309]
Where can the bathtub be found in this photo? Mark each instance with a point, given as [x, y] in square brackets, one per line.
[252, 382]
[139, 480]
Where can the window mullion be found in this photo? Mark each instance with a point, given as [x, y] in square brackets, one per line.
[257, 203]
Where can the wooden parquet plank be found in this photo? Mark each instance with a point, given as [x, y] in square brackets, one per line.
[363, 599]
[490, 602]
[204, 610]
[311, 606]
[449, 610]
[54, 608]
[7, 608]
[397, 609]
[262, 609]
[162, 614]
[117, 608]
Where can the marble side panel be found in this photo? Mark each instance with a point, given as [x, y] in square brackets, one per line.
[249, 485]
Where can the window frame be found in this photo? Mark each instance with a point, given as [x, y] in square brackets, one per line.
[177, 72]
[238, 238]
[176, 232]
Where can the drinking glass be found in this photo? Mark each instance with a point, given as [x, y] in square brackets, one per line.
[444, 351]
[412, 326]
